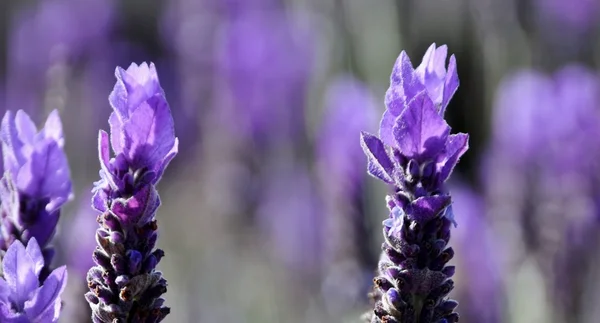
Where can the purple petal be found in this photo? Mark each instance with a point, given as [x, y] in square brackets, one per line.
[386, 126]
[420, 131]
[451, 84]
[34, 251]
[103, 150]
[427, 208]
[117, 140]
[449, 214]
[395, 222]
[19, 272]
[379, 163]
[26, 129]
[456, 146]
[134, 86]
[4, 291]
[137, 209]
[46, 174]
[11, 145]
[404, 85]
[53, 128]
[165, 162]
[118, 96]
[150, 134]
[432, 72]
[45, 305]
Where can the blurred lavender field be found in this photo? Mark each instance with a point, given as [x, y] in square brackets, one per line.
[268, 214]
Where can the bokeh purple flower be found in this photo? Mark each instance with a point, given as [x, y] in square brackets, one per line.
[415, 155]
[542, 181]
[480, 255]
[143, 140]
[54, 30]
[22, 297]
[350, 108]
[36, 181]
[291, 230]
[46, 34]
[76, 248]
[267, 93]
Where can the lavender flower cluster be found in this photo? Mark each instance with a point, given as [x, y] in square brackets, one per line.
[415, 154]
[124, 283]
[270, 215]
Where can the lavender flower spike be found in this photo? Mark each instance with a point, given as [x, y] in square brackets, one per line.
[124, 284]
[36, 181]
[413, 280]
[22, 298]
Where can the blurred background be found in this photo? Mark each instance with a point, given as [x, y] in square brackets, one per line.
[268, 214]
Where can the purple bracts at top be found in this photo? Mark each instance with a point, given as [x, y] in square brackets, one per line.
[415, 154]
[22, 298]
[36, 181]
[124, 285]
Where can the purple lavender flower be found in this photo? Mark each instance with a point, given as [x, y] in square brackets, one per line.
[299, 248]
[45, 34]
[36, 181]
[545, 188]
[350, 108]
[124, 285]
[254, 58]
[57, 29]
[482, 292]
[22, 297]
[415, 155]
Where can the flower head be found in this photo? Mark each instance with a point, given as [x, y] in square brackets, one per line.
[416, 154]
[141, 125]
[124, 284]
[35, 159]
[22, 298]
[422, 147]
[36, 181]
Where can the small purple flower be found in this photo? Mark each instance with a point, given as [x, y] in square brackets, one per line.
[22, 298]
[36, 181]
[125, 286]
[416, 154]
